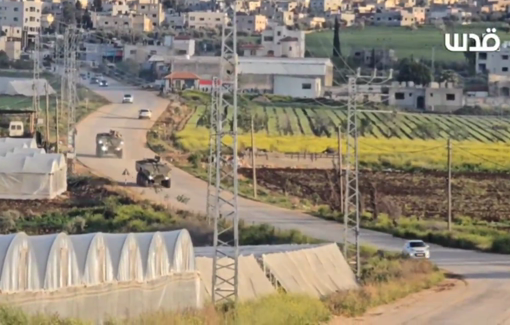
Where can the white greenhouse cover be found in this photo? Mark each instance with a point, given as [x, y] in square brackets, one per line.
[24, 87]
[5, 150]
[253, 283]
[316, 271]
[51, 262]
[32, 175]
[19, 142]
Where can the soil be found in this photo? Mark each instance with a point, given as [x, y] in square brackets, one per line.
[424, 195]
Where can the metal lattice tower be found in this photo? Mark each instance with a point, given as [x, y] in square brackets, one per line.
[226, 218]
[352, 199]
[36, 104]
[71, 72]
[211, 189]
[351, 214]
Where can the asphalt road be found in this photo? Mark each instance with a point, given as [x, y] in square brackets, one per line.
[484, 301]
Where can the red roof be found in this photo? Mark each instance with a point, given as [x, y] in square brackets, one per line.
[251, 46]
[205, 82]
[182, 76]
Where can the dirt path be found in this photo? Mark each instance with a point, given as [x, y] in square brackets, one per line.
[413, 308]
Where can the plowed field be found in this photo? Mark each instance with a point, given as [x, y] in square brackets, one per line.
[477, 195]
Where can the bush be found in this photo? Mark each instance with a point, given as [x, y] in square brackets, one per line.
[384, 281]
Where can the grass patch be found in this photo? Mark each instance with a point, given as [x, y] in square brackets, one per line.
[405, 42]
[385, 280]
[466, 233]
[280, 309]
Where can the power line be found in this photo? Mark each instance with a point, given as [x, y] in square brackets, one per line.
[352, 200]
[225, 278]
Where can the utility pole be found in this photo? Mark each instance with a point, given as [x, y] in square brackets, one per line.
[253, 162]
[432, 68]
[47, 115]
[57, 121]
[36, 105]
[352, 200]
[449, 184]
[225, 285]
[211, 188]
[340, 169]
[71, 37]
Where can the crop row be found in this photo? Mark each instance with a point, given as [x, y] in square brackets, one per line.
[323, 122]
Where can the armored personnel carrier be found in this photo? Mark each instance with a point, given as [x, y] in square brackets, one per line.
[152, 171]
[109, 143]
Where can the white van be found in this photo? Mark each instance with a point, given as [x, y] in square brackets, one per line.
[16, 129]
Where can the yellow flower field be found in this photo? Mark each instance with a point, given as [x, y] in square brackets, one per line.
[372, 151]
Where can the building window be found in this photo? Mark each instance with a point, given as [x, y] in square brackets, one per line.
[504, 57]
[192, 18]
[482, 56]
[268, 38]
[201, 19]
[143, 7]
[399, 96]
[450, 96]
[15, 9]
[15, 19]
[132, 52]
[504, 69]
[306, 86]
[32, 9]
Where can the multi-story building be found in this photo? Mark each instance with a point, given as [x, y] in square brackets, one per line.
[26, 15]
[325, 5]
[178, 45]
[412, 16]
[278, 41]
[153, 10]
[284, 17]
[206, 19]
[116, 8]
[251, 24]
[494, 62]
[444, 97]
[131, 22]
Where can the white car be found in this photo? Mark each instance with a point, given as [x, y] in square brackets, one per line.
[416, 249]
[127, 99]
[144, 113]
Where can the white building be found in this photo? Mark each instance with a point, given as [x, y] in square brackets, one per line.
[26, 15]
[173, 45]
[325, 5]
[278, 41]
[297, 87]
[494, 62]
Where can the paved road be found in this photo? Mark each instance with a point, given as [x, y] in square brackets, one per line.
[484, 301]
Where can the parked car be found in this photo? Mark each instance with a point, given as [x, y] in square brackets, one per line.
[103, 83]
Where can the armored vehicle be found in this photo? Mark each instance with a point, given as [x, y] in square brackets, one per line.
[109, 143]
[152, 171]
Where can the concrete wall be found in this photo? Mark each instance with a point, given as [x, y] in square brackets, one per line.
[98, 303]
[297, 87]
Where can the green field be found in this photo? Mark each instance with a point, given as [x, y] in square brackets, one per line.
[322, 122]
[405, 42]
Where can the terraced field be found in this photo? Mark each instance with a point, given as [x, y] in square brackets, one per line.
[387, 139]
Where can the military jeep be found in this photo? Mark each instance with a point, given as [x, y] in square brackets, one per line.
[109, 143]
[152, 171]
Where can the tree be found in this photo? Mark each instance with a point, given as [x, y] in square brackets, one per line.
[78, 13]
[4, 60]
[449, 76]
[68, 13]
[87, 20]
[410, 70]
[336, 39]
[98, 5]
